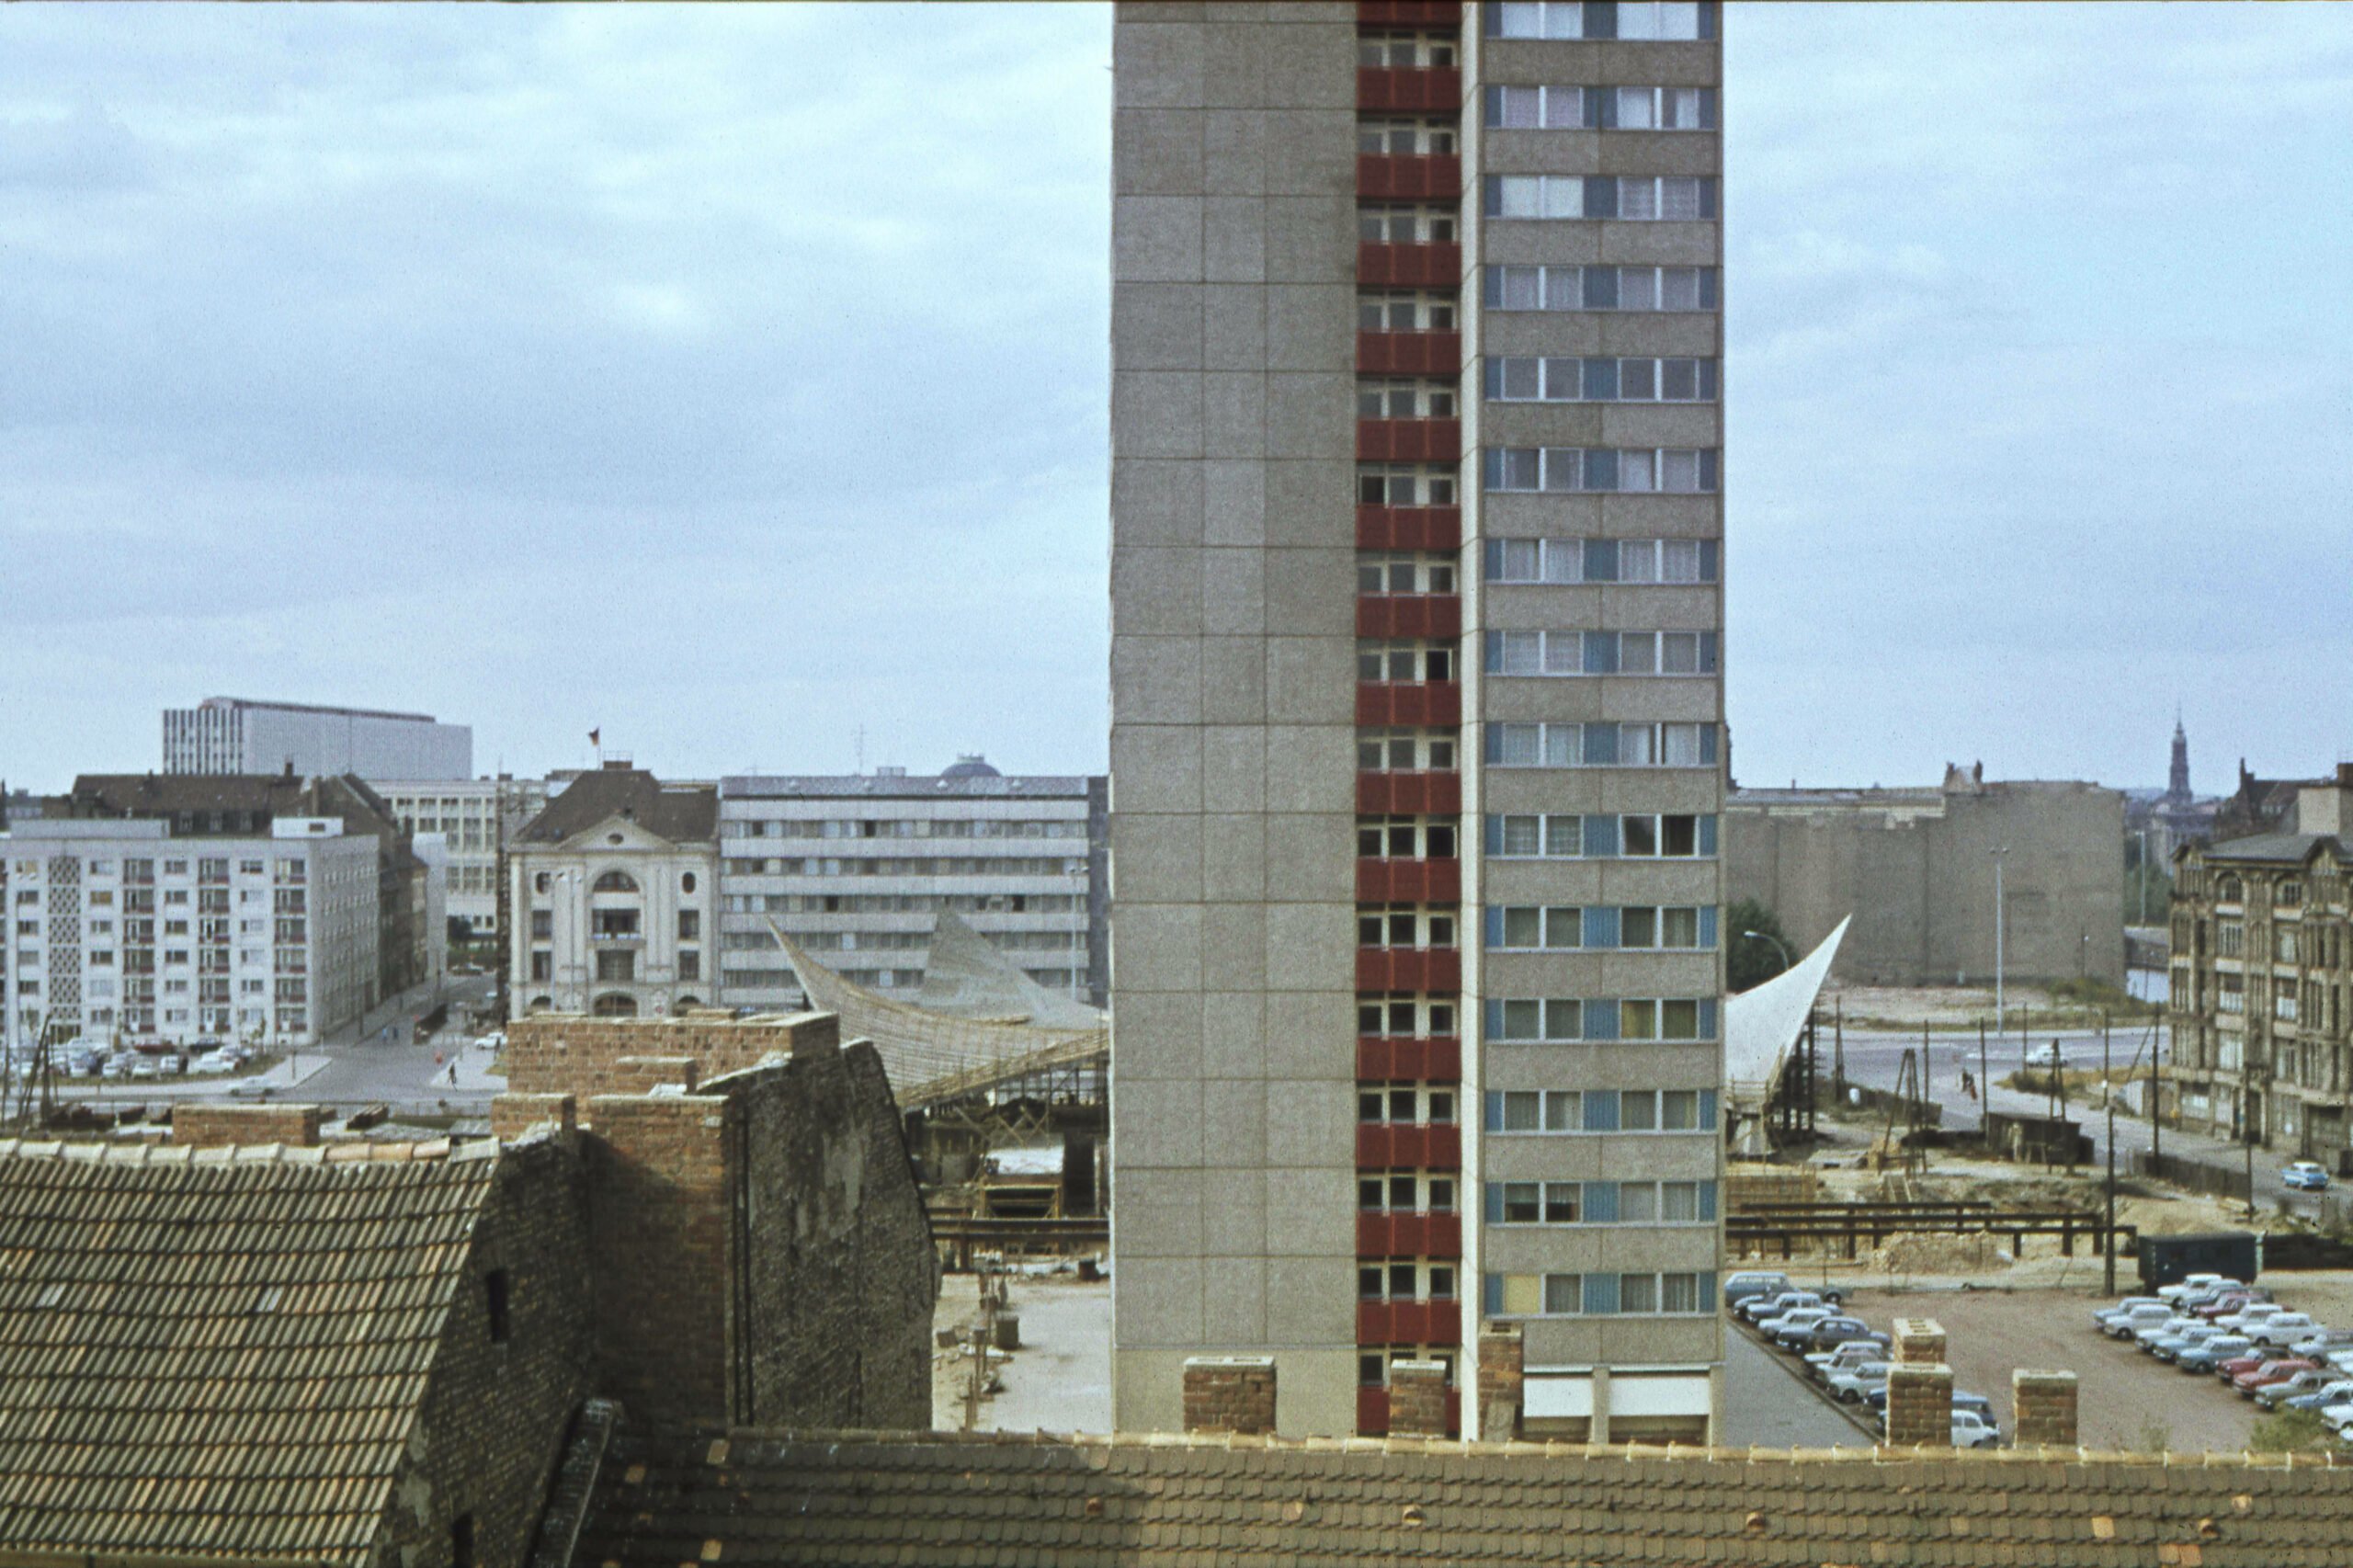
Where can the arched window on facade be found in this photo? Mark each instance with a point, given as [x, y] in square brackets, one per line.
[615, 882]
[614, 1004]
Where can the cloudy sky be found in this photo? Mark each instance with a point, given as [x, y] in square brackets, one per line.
[734, 381]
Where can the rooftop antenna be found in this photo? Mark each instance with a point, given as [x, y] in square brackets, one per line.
[861, 749]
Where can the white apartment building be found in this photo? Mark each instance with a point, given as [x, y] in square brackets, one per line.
[478, 817]
[856, 868]
[120, 933]
[614, 889]
[231, 734]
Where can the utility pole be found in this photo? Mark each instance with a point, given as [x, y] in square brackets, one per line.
[2157, 1122]
[2108, 1279]
[1985, 1080]
[2246, 1134]
[1999, 1011]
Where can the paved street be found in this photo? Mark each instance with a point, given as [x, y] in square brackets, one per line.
[1768, 1403]
[1875, 1059]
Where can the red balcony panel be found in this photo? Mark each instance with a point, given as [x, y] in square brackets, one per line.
[1435, 616]
[1411, 88]
[1441, 1236]
[1372, 1323]
[1445, 881]
[1372, 1407]
[1409, 527]
[1374, 882]
[1419, 15]
[1372, 1146]
[1445, 794]
[1409, 440]
[1372, 1235]
[1436, 703]
[1442, 1151]
[1407, 794]
[1409, 177]
[1436, 354]
[1377, 1058]
[1442, 1060]
[1387, 264]
[1409, 1321]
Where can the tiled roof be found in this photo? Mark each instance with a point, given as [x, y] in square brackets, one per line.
[683, 813]
[850, 1498]
[219, 1352]
[2290, 848]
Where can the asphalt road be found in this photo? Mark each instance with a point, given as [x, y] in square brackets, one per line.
[1875, 1059]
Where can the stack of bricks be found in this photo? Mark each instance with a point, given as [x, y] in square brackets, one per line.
[1231, 1394]
[1919, 1386]
[200, 1126]
[1499, 1384]
[553, 1053]
[1418, 1399]
[2045, 1406]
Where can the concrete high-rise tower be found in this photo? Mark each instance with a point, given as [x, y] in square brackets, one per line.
[1416, 744]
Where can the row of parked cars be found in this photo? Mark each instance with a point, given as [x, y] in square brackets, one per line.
[88, 1059]
[1846, 1355]
[2280, 1358]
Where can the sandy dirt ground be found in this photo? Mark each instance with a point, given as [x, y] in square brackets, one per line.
[1060, 1378]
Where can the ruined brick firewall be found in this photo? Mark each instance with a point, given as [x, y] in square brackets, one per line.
[565, 1053]
[659, 1224]
[836, 1302]
[492, 1424]
[197, 1125]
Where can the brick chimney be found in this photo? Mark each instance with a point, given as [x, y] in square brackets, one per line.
[195, 1125]
[1919, 1404]
[1499, 1384]
[1418, 1399]
[1230, 1394]
[1919, 1340]
[511, 1116]
[2045, 1404]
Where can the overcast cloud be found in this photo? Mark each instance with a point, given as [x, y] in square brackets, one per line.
[731, 379]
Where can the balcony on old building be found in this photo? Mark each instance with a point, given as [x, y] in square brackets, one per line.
[1430, 880]
[1409, 89]
[1431, 792]
[1409, 440]
[1409, 177]
[1397, 264]
[1410, 354]
[1387, 1059]
[1408, 527]
[1433, 616]
[1410, 1234]
[1438, 702]
[1409, 1145]
[1435, 969]
[1409, 1322]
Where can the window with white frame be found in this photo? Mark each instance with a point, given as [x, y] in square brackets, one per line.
[1403, 659]
[1598, 1202]
[1568, 1019]
[1422, 138]
[1573, 561]
[1599, 288]
[1600, 652]
[1405, 312]
[1407, 225]
[1634, 20]
[1600, 746]
[1404, 573]
[1526, 379]
[1599, 109]
[1405, 400]
[1406, 484]
[1666, 199]
[1406, 838]
[1671, 1293]
[1604, 835]
[1519, 927]
[1551, 1111]
[1399, 750]
[1404, 51]
[1669, 471]
[1404, 925]
[1405, 1017]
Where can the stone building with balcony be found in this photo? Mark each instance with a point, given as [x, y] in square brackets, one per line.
[2261, 979]
[614, 889]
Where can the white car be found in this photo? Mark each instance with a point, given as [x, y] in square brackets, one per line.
[1970, 1430]
[1820, 1364]
[2106, 1316]
[1850, 1386]
[2192, 1284]
[2146, 1334]
[1780, 1329]
[2283, 1328]
[2125, 1325]
[2252, 1316]
[2167, 1347]
[214, 1061]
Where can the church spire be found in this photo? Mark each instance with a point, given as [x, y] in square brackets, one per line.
[2177, 781]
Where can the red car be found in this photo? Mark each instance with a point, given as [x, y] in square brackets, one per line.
[2229, 1370]
[2224, 1305]
[2272, 1372]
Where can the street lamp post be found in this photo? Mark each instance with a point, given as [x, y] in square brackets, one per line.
[1999, 1011]
[1788, 962]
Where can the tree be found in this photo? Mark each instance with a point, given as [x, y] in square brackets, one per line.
[1750, 962]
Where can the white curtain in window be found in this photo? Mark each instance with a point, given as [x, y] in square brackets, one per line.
[1638, 561]
[1563, 468]
[1676, 19]
[1523, 107]
[1638, 288]
[1564, 561]
[1679, 198]
[1563, 18]
[1560, 653]
[1560, 746]
[1563, 291]
[1679, 288]
[1522, 288]
[1637, 653]
[1563, 379]
[1637, 745]
[1634, 106]
[1522, 195]
[1682, 745]
[1680, 472]
[1681, 560]
[1564, 109]
[1521, 18]
[1563, 197]
[1637, 197]
[1634, 472]
[1638, 19]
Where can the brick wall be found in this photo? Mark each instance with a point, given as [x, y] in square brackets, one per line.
[204, 1126]
[491, 1427]
[1499, 1384]
[659, 1229]
[1919, 1404]
[511, 1116]
[565, 1053]
[840, 1272]
[1418, 1399]
[1231, 1394]
[2045, 1407]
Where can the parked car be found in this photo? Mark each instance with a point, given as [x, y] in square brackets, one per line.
[1970, 1430]
[1834, 1331]
[2232, 1302]
[2338, 1389]
[2207, 1357]
[2190, 1285]
[1962, 1400]
[2271, 1369]
[1846, 1357]
[146, 1066]
[1856, 1383]
[2174, 1323]
[1792, 1327]
[1757, 1309]
[2169, 1346]
[2325, 1343]
[2250, 1317]
[2103, 1316]
[2305, 1175]
[214, 1061]
[2283, 1329]
[2311, 1380]
[2125, 1325]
